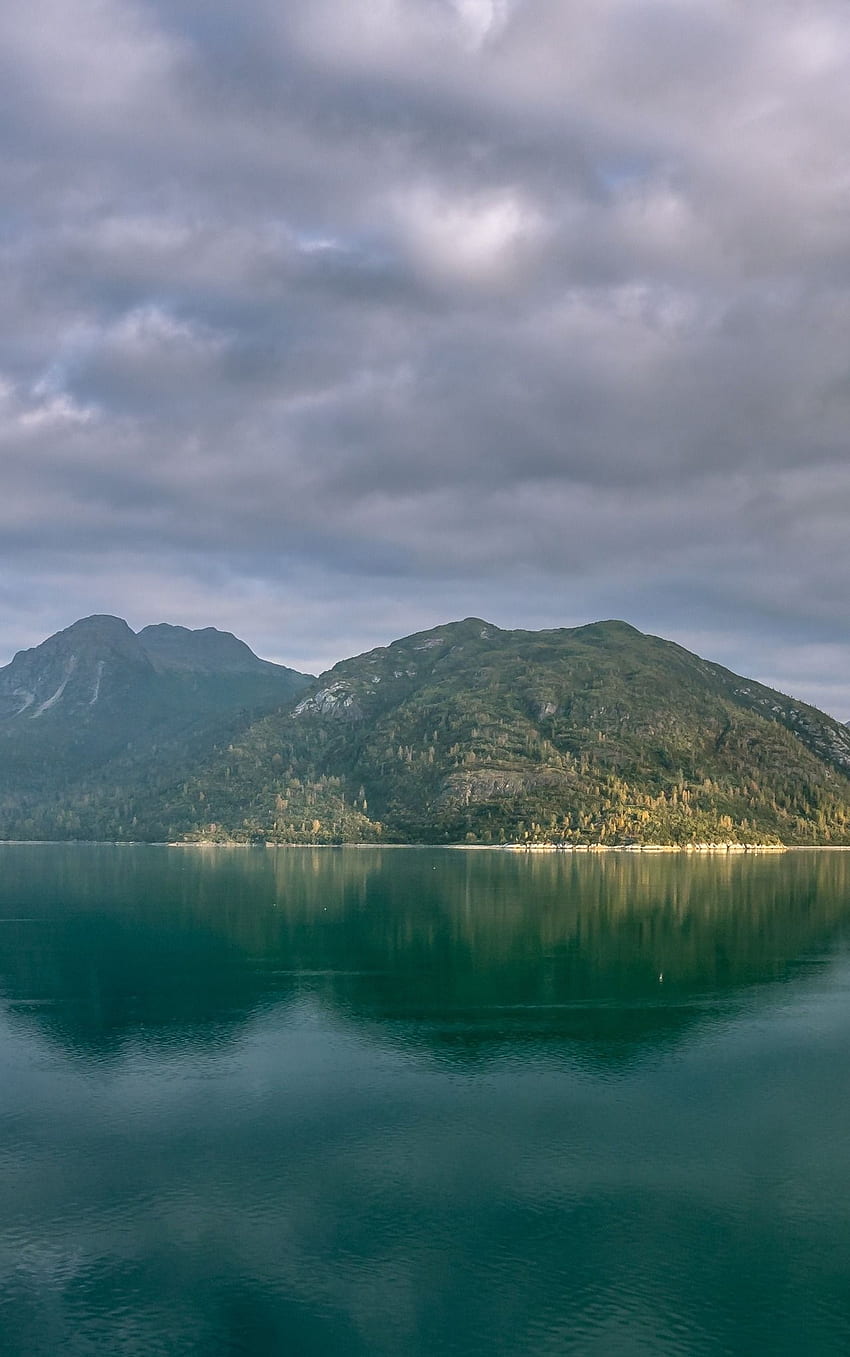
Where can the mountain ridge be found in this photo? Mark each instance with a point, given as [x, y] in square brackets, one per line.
[160, 647]
[465, 732]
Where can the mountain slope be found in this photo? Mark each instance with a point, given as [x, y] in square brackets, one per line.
[592, 734]
[207, 651]
[96, 711]
[462, 733]
[72, 671]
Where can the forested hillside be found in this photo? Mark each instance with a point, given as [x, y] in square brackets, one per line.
[467, 733]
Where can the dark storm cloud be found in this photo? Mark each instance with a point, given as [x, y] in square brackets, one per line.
[325, 322]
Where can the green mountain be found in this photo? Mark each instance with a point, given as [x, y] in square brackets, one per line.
[473, 734]
[465, 733]
[213, 653]
[96, 715]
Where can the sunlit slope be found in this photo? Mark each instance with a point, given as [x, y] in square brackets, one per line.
[470, 733]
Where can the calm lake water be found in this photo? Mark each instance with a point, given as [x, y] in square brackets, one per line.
[411, 1103]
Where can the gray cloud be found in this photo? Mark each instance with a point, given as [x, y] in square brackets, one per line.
[329, 321]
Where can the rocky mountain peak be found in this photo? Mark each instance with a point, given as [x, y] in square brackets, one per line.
[70, 670]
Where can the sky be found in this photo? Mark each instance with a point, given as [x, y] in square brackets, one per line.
[329, 321]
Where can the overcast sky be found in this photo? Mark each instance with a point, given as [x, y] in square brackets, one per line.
[325, 321]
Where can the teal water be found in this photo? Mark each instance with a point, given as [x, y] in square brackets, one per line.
[411, 1103]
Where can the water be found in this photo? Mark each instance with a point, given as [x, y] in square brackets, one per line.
[414, 1103]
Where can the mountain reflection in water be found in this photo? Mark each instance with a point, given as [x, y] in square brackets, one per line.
[422, 1101]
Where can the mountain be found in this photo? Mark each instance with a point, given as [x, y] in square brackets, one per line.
[96, 711]
[71, 672]
[466, 732]
[470, 733]
[179, 650]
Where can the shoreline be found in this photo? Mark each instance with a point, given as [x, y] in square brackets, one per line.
[699, 850]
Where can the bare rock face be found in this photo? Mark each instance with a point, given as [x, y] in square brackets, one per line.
[337, 700]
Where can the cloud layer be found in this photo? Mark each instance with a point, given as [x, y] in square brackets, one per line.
[328, 321]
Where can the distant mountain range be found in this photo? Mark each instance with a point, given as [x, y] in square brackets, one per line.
[465, 733]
